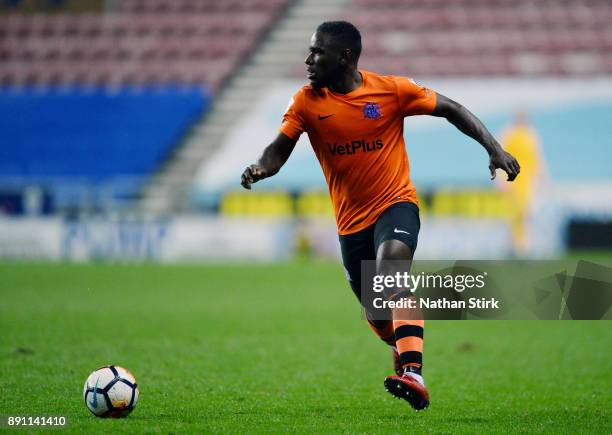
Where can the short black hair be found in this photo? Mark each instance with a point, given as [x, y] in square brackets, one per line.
[344, 34]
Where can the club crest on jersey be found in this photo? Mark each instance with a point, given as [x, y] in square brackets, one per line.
[372, 111]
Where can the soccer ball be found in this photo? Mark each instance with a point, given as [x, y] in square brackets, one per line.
[110, 391]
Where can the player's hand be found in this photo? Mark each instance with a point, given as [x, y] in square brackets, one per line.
[252, 174]
[500, 159]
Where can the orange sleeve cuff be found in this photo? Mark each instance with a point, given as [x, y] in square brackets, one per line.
[290, 130]
[433, 100]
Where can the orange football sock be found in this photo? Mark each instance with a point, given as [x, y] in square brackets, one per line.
[409, 342]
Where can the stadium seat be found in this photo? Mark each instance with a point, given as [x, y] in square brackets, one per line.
[144, 34]
[98, 135]
[483, 37]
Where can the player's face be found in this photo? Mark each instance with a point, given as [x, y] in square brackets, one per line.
[323, 63]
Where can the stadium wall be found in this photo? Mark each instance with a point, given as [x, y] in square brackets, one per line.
[176, 239]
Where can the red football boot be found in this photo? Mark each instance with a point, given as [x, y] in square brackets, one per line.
[408, 388]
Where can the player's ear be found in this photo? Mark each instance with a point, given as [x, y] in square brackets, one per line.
[345, 56]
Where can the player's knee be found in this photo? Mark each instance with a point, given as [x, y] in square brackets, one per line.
[393, 250]
[393, 256]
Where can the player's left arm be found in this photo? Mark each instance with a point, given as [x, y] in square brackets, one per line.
[467, 123]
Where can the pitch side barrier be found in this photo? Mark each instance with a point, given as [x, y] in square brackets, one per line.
[487, 290]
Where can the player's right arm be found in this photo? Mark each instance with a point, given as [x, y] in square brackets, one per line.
[276, 154]
[273, 158]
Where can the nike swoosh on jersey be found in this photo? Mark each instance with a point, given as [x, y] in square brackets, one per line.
[321, 118]
[395, 230]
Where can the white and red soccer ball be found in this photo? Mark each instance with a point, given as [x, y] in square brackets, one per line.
[111, 391]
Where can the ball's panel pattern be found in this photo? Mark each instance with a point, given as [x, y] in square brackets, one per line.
[136, 394]
[120, 395]
[114, 370]
[97, 403]
[125, 374]
[116, 392]
[102, 377]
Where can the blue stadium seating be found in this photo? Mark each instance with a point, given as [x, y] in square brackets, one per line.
[92, 135]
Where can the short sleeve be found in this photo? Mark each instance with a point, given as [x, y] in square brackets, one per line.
[414, 99]
[293, 122]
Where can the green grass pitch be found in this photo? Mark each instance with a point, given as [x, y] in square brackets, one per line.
[279, 348]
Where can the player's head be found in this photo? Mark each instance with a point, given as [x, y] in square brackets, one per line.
[334, 48]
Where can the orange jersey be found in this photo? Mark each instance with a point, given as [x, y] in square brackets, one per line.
[359, 141]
